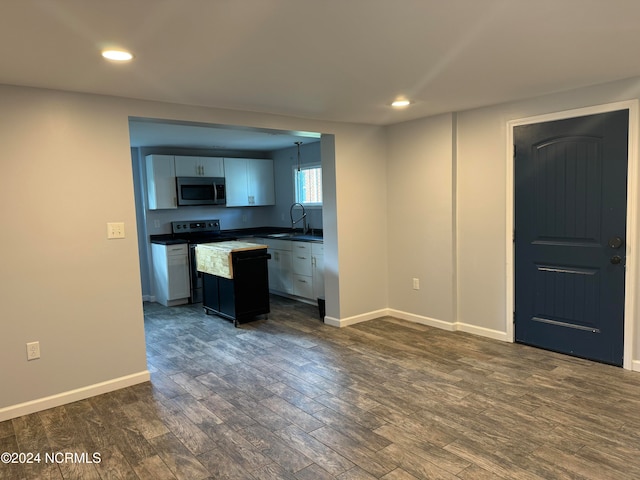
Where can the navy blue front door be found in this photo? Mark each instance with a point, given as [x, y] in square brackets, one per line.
[570, 230]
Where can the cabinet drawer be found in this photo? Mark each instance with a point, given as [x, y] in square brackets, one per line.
[301, 247]
[302, 263]
[302, 286]
[317, 248]
[181, 249]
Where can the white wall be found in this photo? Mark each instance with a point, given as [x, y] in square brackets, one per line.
[467, 289]
[361, 202]
[67, 171]
[482, 199]
[420, 175]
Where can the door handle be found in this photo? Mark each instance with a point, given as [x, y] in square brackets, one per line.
[615, 242]
[616, 259]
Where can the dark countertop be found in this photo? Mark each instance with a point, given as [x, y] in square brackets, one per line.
[281, 233]
[166, 239]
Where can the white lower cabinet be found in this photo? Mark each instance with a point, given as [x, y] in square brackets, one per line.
[296, 268]
[280, 266]
[171, 273]
[302, 269]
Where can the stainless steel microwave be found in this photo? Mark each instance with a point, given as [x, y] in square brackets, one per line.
[201, 191]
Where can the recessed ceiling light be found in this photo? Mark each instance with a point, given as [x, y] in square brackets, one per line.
[117, 55]
[401, 103]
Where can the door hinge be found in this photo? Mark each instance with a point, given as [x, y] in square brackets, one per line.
[514, 150]
[514, 317]
[514, 236]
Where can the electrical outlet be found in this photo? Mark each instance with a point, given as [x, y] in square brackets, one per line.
[416, 284]
[115, 230]
[33, 350]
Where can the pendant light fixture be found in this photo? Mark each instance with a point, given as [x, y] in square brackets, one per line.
[298, 144]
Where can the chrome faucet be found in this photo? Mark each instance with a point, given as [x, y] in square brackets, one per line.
[303, 218]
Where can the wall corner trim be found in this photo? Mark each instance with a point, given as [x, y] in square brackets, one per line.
[483, 332]
[13, 411]
[345, 322]
[422, 320]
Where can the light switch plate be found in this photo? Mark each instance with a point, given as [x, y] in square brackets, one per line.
[115, 230]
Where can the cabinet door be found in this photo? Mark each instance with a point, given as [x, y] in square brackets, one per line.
[235, 170]
[280, 271]
[318, 275]
[286, 272]
[188, 166]
[199, 166]
[178, 272]
[250, 182]
[212, 166]
[161, 182]
[260, 182]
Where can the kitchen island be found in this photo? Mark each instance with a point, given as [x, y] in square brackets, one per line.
[235, 279]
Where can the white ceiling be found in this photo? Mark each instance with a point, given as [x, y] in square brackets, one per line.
[340, 60]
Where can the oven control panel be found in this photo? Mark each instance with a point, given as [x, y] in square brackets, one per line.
[196, 226]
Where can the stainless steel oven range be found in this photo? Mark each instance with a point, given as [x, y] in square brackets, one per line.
[195, 232]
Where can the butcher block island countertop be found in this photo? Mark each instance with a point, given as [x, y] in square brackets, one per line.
[215, 258]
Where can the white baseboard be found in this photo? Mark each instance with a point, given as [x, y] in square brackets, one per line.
[148, 298]
[430, 322]
[345, 322]
[482, 332]
[52, 401]
[635, 365]
[411, 317]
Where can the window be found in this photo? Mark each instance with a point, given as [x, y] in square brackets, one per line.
[308, 185]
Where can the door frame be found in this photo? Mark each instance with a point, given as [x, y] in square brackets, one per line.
[631, 271]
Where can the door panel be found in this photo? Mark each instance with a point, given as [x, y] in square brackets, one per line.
[570, 200]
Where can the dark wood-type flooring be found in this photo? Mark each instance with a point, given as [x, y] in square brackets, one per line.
[291, 398]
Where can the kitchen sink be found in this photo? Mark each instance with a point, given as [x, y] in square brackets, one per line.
[300, 236]
[296, 236]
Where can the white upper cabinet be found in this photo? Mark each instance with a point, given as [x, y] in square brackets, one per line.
[199, 166]
[249, 182]
[161, 182]
[261, 182]
[235, 170]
